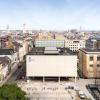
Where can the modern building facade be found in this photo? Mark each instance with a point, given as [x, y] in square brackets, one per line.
[51, 62]
[89, 63]
[49, 43]
[74, 45]
[59, 40]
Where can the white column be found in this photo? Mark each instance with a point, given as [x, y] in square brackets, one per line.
[43, 79]
[28, 80]
[59, 79]
[75, 79]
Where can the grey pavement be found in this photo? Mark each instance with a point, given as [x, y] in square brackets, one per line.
[54, 90]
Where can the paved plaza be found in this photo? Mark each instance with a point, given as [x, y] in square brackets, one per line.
[37, 90]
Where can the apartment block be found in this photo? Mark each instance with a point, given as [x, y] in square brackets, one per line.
[93, 43]
[89, 63]
[74, 45]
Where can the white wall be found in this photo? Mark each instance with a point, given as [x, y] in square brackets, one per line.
[75, 46]
[23, 50]
[5, 71]
[51, 65]
[21, 53]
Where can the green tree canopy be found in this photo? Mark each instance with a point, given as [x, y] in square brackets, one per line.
[11, 92]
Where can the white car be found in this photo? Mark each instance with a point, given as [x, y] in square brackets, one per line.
[82, 95]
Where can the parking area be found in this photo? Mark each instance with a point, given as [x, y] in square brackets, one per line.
[49, 91]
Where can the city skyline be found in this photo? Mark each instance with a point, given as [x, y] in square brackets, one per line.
[50, 14]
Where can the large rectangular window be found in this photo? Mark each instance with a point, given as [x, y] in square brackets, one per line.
[98, 58]
[91, 65]
[98, 65]
[91, 58]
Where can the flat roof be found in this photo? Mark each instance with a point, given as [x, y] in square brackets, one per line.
[87, 50]
[59, 51]
[6, 51]
[51, 52]
[50, 49]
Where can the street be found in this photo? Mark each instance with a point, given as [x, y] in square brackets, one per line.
[17, 74]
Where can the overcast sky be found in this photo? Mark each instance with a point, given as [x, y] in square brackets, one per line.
[50, 14]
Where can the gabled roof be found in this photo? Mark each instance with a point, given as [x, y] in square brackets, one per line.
[4, 60]
[6, 51]
[86, 50]
[17, 44]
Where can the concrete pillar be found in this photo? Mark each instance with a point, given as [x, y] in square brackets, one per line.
[27, 79]
[75, 79]
[43, 79]
[59, 80]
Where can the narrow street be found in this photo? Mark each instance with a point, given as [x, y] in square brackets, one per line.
[15, 73]
[18, 74]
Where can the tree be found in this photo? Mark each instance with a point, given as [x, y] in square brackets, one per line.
[11, 92]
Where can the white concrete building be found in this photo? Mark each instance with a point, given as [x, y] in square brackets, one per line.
[75, 45]
[51, 63]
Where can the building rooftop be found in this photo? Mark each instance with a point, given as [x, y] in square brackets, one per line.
[4, 60]
[50, 36]
[6, 51]
[87, 50]
[49, 51]
[17, 45]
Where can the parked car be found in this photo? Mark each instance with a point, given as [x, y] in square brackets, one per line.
[81, 95]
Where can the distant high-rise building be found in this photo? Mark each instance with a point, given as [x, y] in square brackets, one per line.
[7, 29]
[24, 28]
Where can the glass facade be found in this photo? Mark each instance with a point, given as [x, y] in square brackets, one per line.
[49, 43]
